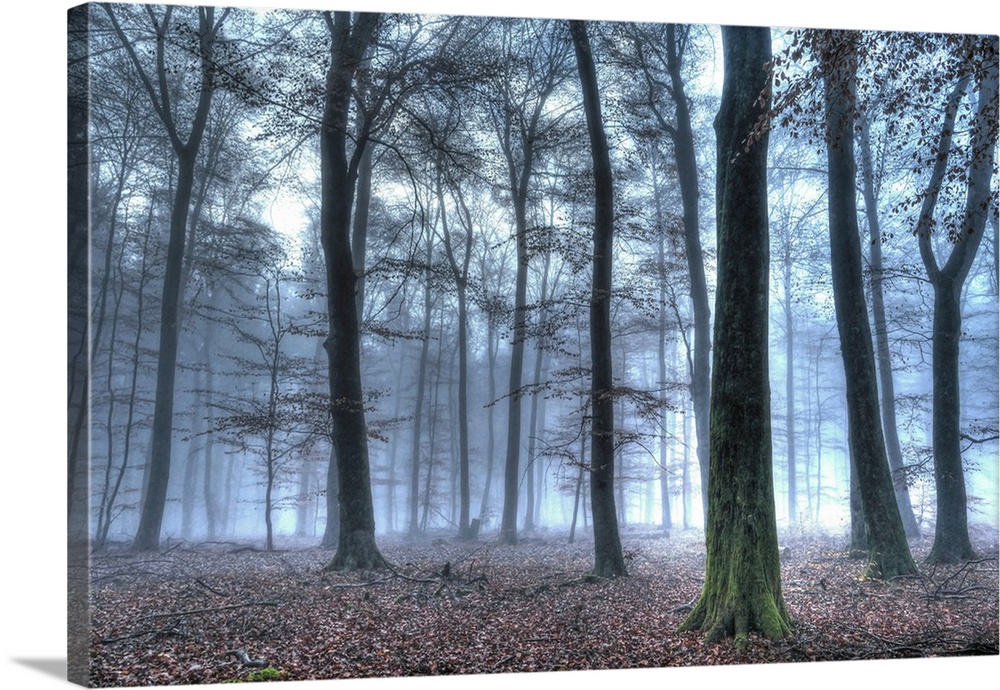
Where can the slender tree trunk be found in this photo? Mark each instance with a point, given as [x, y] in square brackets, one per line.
[208, 451]
[356, 547]
[508, 523]
[186, 152]
[148, 534]
[889, 554]
[577, 493]
[394, 444]
[418, 411]
[435, 408]
[359, 234]
[608, 559]
[661, 354]
[460, 274]
[491, 355]
[464, 489]
[272, 428]
[682, 136]
[883, 358]
[530, 502]
[687, 177]
[742, 590]
[523, 126]
[793, 497]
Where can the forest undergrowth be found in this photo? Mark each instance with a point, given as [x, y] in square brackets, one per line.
[217, 612]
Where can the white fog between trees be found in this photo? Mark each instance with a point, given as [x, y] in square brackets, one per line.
[365, 243]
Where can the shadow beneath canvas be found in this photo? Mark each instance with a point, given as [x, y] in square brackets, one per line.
[50, 667]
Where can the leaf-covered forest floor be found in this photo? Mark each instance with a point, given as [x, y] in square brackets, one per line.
[450, 607]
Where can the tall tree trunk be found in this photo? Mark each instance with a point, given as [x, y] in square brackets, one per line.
[531, 499]
[578, 491]
[786, 279]
[742, 590]
[541, 473]
[186, 152]
[519, 129]
[492, 344]
[508, 522]
[889, 554]
[208, 451]
[661, 352]
[687, 177]
[391, 511]
[356, 547]
[682, 136]
[460, 274]
[359, 234]
[883, 359]
[418, 410]
[608, 558]
[951, 532]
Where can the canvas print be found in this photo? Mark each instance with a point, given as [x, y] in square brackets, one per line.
[415, 344]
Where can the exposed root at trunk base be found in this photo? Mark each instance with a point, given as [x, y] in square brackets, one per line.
[357, 551]
[757, 613]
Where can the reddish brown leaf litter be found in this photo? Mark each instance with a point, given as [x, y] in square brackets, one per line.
[213, 613]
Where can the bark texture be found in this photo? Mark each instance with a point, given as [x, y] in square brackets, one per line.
[888, 552]
[356, 547]
[742, 590]
[951, 532]
[608, 558]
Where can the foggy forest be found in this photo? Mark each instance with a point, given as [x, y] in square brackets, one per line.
[410, 344]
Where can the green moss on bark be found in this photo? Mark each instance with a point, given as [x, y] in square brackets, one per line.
[742, 591]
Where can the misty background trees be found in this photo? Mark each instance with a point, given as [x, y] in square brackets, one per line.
[372, 239]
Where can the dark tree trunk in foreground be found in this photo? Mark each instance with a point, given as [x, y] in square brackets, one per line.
[147, 536]
[608, 559]
[356, 546]
[951, 533]
[742, 590]
[888, 552]
[858, 546]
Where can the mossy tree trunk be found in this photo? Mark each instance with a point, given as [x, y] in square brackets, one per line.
[888, 553]
[742, 592]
